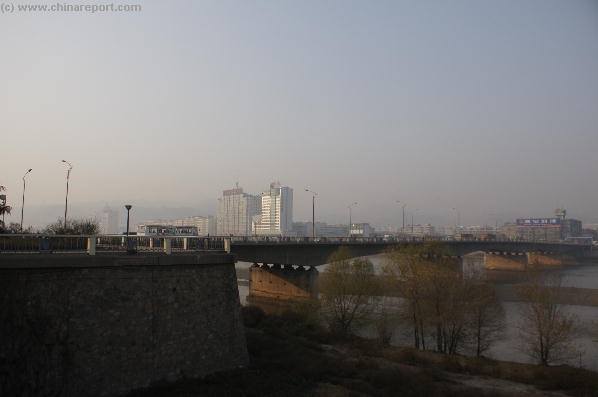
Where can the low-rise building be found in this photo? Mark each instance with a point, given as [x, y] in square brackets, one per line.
[165, 230]
[544, 229]
[304, 229]
[426, 230]
[362, 230]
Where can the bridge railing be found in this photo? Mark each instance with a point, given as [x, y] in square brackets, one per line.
[44, 243]
[108, 243]
[311, 240]
[343, 240]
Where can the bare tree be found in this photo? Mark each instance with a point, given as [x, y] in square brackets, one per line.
[386, 315]
[486, 317]
[346, 287]
[547, 330]
[439, 303]
[403, 274]
[74, 227]
[429, 280]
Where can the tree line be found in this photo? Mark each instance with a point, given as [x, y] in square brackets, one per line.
[73, 227]
[443, 310]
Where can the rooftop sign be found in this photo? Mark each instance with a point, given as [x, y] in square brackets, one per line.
[536, 222]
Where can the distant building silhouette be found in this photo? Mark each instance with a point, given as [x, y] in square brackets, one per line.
[109, 221]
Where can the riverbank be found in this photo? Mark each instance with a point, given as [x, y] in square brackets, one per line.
[291, 358]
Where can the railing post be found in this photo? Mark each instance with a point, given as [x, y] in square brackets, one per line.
[168, 246]
[91, 245]
[185, 243]
[151, 242]
[227, 245]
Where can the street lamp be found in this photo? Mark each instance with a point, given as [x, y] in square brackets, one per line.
[350, 209]
[23, 203]
[66, 201]
[313, 212]
[130, 244]
[403, 205]
[128, 207]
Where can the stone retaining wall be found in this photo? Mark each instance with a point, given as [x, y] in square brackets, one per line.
[104, 327]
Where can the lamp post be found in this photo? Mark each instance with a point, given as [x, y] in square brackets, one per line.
[403, 205]
[66, 201]
[458, 223]
[23, 202]
[350, 213]
[130, 246]
[128, 207]
[313, 212]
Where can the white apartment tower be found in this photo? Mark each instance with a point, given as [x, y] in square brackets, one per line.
[236, 211]
[277, 211]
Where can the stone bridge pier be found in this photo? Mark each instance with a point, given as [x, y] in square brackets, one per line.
[521, 261]
[276, 288]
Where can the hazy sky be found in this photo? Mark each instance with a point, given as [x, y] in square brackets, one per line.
[488, 106]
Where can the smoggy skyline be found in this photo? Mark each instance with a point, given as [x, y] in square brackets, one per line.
[490, 107]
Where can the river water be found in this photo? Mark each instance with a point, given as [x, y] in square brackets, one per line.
[585, 343]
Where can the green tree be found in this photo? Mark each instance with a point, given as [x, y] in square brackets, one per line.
[346, 287]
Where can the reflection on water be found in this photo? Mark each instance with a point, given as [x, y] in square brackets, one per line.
[508, 348]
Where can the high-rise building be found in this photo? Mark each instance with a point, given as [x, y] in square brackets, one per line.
[235, 212]
[276, 211]
[108, 221]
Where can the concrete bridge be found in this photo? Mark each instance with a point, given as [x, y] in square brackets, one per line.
[284, 270]
[307, 252]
